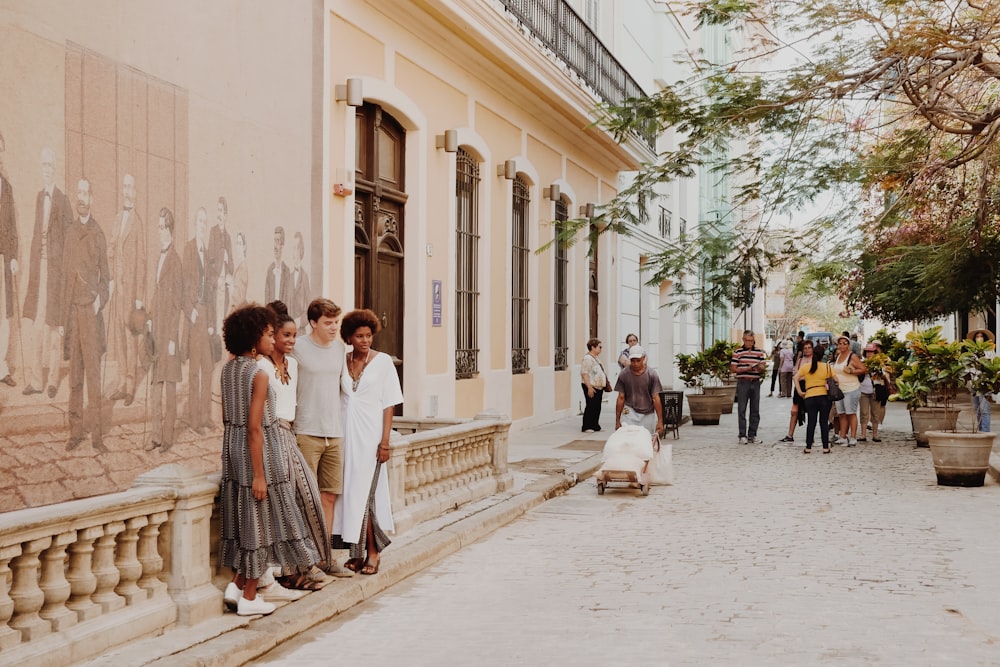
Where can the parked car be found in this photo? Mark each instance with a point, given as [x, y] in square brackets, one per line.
[824, 338]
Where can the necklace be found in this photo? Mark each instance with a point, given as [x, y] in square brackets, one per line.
[356, 378]
[280, 371]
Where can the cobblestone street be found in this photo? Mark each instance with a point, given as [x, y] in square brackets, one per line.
[757, 555]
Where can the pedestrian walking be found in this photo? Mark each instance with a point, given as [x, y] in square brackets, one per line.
[748, 364]
[593, 380]
[813, 374]
[775, 366]
[981, 402]
[798, 411]
[787, 368]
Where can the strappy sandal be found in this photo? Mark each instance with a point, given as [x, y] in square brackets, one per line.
[300, 582]
[368, 568]
[354, 564]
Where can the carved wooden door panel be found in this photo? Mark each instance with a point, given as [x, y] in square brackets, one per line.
[378, 226]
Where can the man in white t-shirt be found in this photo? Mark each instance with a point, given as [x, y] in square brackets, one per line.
[319, 424]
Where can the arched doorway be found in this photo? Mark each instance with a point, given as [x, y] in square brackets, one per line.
[379, 214]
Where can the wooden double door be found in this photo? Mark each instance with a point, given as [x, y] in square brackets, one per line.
[379, 224]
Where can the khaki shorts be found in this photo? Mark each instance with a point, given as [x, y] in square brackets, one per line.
[325, 457]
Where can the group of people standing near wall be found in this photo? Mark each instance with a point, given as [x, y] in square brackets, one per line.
[307, 425]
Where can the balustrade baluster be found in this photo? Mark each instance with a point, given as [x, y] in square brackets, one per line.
[105, 570]
[80, 574]
[127, 561]
[8, 636]
[24, 591]
[149, 555]
[55, 585]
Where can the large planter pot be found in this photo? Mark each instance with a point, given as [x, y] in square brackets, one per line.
[705, 408]
[725, 391]
[932, 418]
[960, 458]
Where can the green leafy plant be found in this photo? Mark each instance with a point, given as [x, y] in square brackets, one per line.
[717, 359]
[692, 369]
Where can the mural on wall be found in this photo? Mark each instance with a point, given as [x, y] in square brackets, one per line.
[113, 296]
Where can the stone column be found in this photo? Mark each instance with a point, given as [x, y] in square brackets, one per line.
[54, 584]
[24, 591]
[8, 636]
[184, 542]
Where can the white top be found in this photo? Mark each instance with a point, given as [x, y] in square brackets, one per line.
[847, 381]
[319, 413]
[284, 394]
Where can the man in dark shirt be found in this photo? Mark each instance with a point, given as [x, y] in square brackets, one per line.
[748, 364]
[639, 390]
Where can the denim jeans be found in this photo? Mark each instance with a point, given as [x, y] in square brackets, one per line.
[981, 408]
[748, 391]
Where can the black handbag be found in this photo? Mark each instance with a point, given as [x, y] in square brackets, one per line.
[832, 388]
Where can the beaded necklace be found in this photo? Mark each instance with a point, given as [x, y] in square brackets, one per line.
[350, 366]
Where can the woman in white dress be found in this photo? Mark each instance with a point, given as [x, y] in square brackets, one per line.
[370, 391]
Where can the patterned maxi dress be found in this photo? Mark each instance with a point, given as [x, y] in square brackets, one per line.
[257, 534]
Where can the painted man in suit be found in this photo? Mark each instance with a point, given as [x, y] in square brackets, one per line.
[299, 283]
[199, 308]
[220, 261]
[127, 259]
[43, 301]
[8, 252]
[86, 281]
[278, 281]
[164, 323]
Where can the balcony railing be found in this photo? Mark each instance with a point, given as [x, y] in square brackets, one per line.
[560, 29]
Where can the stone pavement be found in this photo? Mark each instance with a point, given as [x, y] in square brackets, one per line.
[757, 555]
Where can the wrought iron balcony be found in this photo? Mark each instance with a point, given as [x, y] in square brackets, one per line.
[559, 28]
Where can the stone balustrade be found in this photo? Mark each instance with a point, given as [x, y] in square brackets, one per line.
[435, 469]
[80, 577]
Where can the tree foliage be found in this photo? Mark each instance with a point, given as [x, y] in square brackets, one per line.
[892, 104]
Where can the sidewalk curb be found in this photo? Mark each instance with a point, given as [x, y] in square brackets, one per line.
[247, 641]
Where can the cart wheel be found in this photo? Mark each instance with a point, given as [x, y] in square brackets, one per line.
[645, 489]
[600, 488]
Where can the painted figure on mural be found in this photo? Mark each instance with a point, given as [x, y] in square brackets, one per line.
[164, 323]
[8, 251]
[238, 290]
[43, 301]
[127, 260]
[299, 282]
[278, 279]
[220, 262]
[86, 281]
[199, 308]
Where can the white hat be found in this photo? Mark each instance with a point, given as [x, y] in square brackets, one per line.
[636, 352]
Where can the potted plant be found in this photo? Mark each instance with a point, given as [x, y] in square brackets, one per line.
[962, 458]
[717, 360]
[929, 382]
[693, 369]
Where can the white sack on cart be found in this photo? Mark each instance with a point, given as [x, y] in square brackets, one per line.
[628, 448]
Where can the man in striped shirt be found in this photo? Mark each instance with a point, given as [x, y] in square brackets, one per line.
[748, 364]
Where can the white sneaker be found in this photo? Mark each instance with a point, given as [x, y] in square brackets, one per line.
[753, 441]
[232, 596]
[743, 441]
[275, 591]
[852, 442]
[256, 607]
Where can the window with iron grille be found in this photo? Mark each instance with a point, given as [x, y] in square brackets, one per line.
[519, 276]
[666, 222]
[682, 228]
[561, 296]
[467, 265]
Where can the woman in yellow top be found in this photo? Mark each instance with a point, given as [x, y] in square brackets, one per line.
[813, 391]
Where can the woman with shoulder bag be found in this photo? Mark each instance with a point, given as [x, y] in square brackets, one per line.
[593, 380]
[848, 369]
[812, 389]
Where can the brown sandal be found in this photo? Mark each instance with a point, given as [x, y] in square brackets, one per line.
[300, 582]
[354, 564]
[369, 568]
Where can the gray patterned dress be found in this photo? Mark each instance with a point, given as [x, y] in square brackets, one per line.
[257, 534]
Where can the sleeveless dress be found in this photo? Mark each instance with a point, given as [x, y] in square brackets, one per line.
[257, 534]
